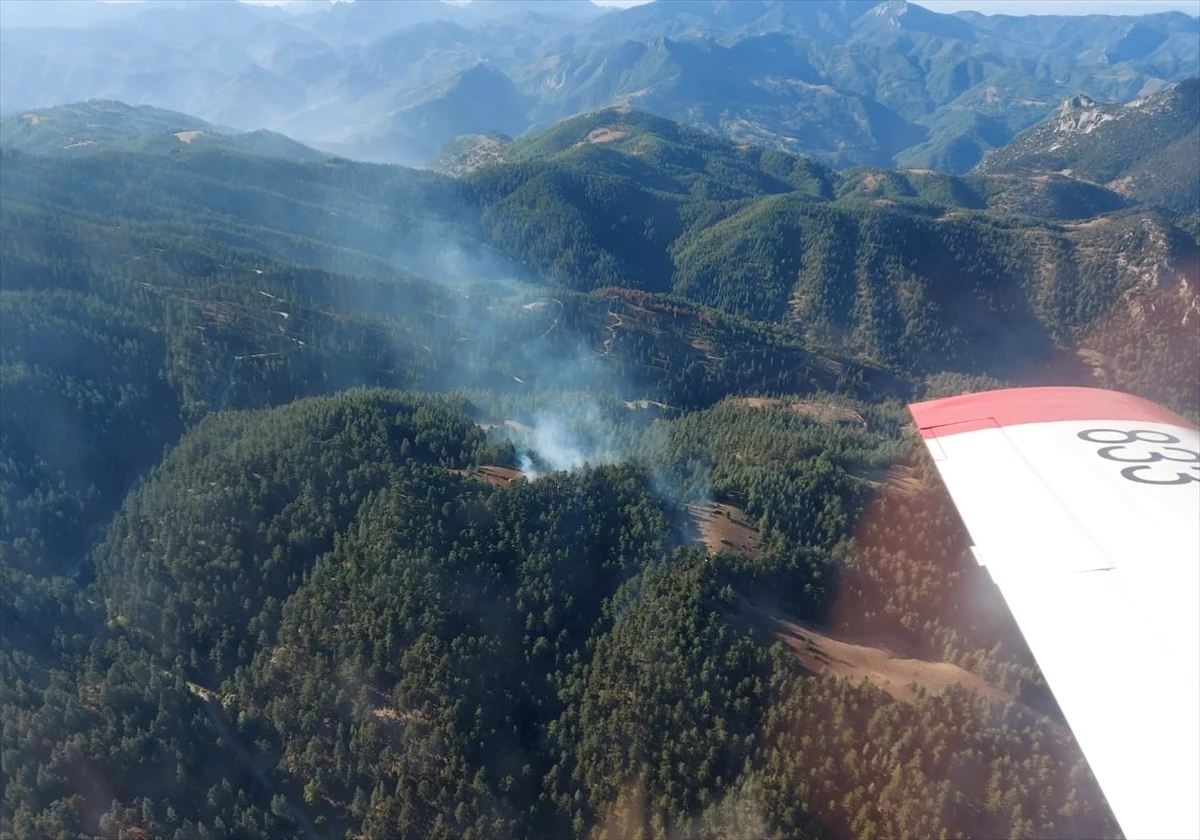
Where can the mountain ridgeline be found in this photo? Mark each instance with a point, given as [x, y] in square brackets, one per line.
[849, 82]
[1147, 149]
[566, 491]
[103, 125]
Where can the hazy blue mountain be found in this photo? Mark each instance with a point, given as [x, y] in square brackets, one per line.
[756, 90]
[828, 20]
[851, 82]
[481, 100]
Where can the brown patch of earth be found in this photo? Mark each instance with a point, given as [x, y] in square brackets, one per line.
[509, 424]
[187, 136]
[604, 135]
[824, 412]
[493, 474]
[1097, 362]
[723, 527]
[203, 693]
[827, 412]
[1123, 186]
[901, 478]
[759, 402]
[1099, 221]
[705, 346]
[886, 667]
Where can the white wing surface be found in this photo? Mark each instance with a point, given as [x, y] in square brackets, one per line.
[1084, 506]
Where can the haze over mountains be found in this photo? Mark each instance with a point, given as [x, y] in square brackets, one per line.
[850, 82]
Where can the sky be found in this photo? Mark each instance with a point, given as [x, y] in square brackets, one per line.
[996, 7]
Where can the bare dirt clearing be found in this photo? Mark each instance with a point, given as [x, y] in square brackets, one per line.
[647, 403]
[603, 135]
[759, 402]
[493, 474]
[887, 669]
[1097, 362]
[1123, 186]
[508, 424]
[187, 136]
[723, 527]
[900, 477]
[823, 412]
[203, 693]
[1099, 221]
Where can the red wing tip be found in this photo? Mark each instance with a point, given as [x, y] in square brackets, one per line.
[1016, 406]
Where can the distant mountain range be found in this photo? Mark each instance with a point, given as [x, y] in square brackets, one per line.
[850, 82]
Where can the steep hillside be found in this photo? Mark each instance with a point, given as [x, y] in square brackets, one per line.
[694, 162]
[68, 128]
[1042, 196]
[1147, 149]
[965, 291]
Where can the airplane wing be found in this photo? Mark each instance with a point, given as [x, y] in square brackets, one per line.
[1084, 506]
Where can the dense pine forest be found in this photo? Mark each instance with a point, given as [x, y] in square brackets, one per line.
[562, 497]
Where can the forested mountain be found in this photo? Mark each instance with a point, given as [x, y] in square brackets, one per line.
[1148, 149]
[88, 128]
[850, 82]
[344, 499]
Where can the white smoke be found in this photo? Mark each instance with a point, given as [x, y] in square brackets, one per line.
[568, 439]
